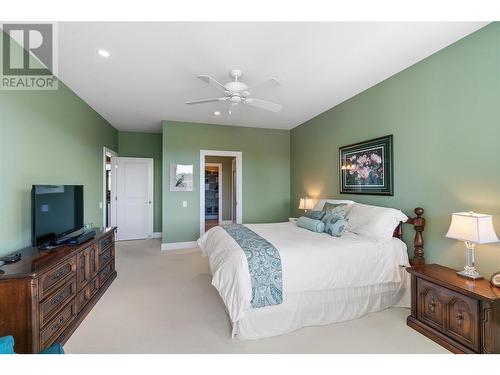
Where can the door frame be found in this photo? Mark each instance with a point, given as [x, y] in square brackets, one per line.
[114, 154]
[151, 192]
[233, 198]
[219, 167]
[239, 183]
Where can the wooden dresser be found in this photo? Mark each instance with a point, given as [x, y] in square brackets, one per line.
[47, 294]
[460, 314]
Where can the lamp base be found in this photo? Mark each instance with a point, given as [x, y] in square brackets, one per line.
[470, 274]
[469, 270]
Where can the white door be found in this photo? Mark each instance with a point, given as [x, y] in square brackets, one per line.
[134, 198]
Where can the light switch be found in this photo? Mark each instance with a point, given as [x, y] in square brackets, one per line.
[184, 203]
[100, 205]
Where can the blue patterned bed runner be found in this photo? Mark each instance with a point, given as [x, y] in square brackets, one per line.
[264, 265]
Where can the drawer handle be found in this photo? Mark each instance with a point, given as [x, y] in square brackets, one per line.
[57, 275]
[459, 318]
[432, 305]
[58, 299]
[58, 324]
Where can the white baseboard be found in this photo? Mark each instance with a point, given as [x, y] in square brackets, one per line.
[178, 245]
[157, 235]
[226, 222]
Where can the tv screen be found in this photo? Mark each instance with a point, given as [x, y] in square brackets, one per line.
[57, 210]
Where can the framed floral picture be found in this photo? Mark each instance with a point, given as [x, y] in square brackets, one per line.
[366, 167]
[181, 177]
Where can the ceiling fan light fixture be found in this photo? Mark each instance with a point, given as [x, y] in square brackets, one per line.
[236, 92]
[235, 86]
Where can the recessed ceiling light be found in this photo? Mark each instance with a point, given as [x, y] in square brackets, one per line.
[103, 53]
[216, 113]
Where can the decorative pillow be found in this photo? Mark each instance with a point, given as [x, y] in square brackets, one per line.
[339, 210]
[374, 221]
[316, 215]
[340, 207]
[311, 224]
[321, 203]
[335, 226]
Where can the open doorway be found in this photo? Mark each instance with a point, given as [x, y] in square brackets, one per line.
[213, 191]
[220, 193]
[109, 178]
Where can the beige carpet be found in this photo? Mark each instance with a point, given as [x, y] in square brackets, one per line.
[162, 302]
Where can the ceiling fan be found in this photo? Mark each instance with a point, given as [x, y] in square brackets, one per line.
[237, 92]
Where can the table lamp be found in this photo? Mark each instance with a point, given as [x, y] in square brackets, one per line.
[306, 204]
[472, 228]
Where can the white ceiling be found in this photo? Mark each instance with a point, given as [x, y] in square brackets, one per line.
[153, 66]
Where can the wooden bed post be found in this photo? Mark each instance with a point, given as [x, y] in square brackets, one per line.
[418, 223]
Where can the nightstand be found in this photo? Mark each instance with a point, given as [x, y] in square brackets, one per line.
[460, 314]
[293, 220]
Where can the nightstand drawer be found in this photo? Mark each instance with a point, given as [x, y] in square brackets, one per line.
[462, 323]
[430, 304]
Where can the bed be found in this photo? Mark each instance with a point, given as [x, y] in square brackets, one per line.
[324, 279]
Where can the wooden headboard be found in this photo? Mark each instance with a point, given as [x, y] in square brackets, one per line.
[418, 223]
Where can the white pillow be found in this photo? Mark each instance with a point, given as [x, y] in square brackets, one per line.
[321, 202]
[374, 221]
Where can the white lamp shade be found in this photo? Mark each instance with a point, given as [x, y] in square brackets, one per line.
[306, 204]
[472, 227]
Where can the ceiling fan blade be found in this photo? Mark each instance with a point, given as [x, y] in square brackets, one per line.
[263, 104]
[212, 82]
[269, 84]
[206, 100]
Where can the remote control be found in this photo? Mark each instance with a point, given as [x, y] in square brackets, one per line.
[11, 258]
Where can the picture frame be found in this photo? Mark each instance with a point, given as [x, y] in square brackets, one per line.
[181, 177]
[367, 167]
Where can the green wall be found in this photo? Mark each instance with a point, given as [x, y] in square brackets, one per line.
[266, 173]
[146, 145]
[444, 113]
[227, 171]
[47, 137]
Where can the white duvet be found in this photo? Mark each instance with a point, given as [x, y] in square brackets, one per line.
[310, 262]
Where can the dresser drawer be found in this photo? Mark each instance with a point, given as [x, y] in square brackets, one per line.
[86, 294]
[56, 300]
[53, 278]
[57, 325]
[106, 242]
[430, 304]
[106, 256]
[106, 272]
[462, 319]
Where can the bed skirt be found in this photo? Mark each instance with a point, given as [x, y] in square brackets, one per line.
[319, 308]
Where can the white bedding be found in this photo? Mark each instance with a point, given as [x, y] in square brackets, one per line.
[310, 262]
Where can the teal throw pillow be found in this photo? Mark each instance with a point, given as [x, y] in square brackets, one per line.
[316, 215]
[311, 224]
[335, 226]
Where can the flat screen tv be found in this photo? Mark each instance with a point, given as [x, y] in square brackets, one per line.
[57, 211]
